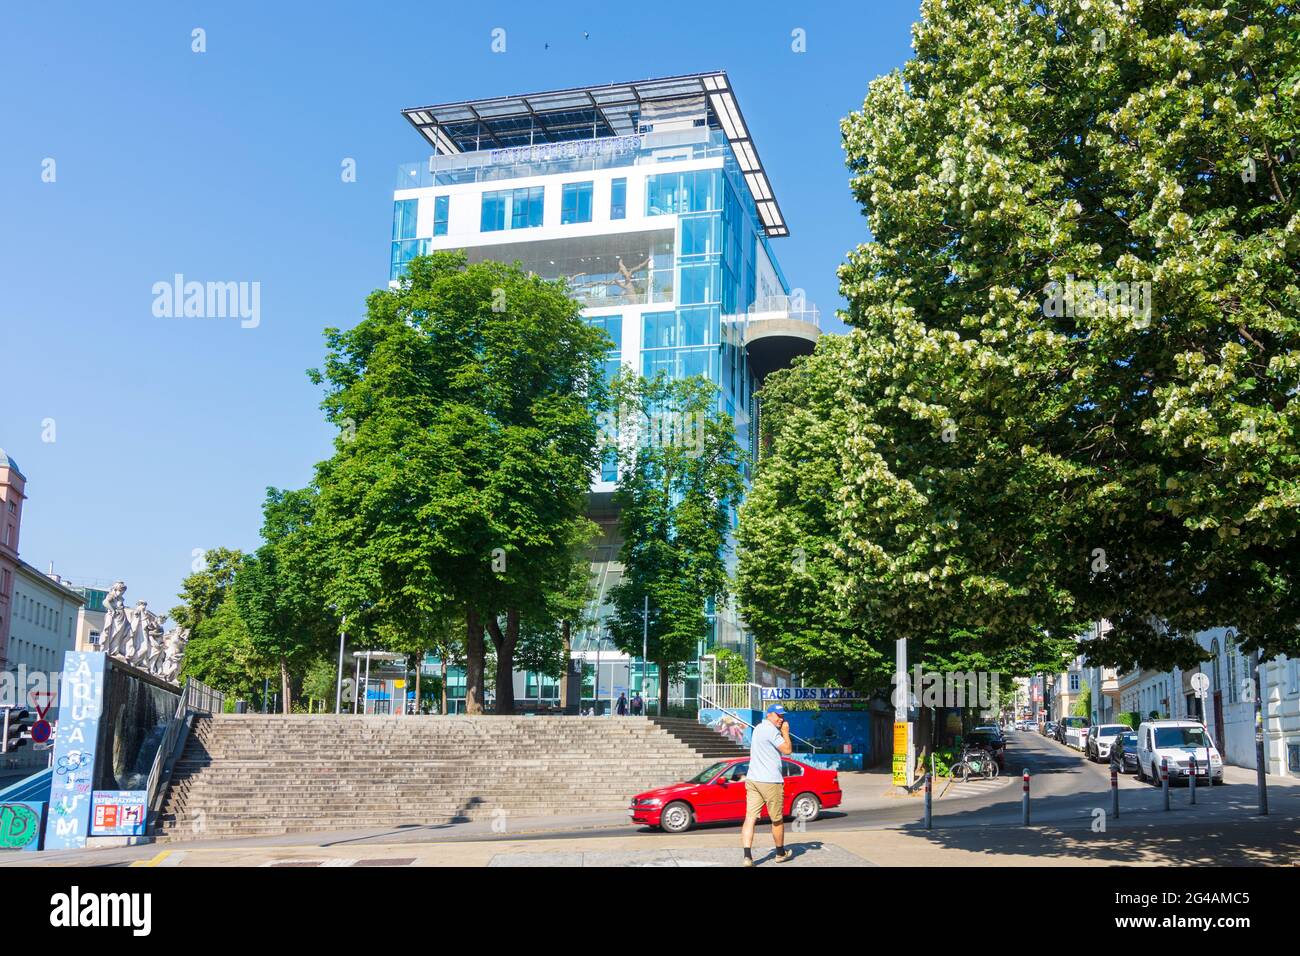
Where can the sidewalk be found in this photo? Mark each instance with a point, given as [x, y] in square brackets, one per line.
[1145, 842]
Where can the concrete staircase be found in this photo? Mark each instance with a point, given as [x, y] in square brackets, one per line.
[700, 738]
[255, 774]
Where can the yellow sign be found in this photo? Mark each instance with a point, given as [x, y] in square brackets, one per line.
[399, 684]
[900, 753]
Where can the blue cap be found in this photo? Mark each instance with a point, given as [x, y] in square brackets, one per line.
[775, 709]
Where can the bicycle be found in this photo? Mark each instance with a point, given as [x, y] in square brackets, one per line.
[975, 762]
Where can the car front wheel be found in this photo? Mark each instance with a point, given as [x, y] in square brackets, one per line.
[806, 807]
[677, 818]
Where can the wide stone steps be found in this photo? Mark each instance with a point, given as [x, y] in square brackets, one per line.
[254, 774]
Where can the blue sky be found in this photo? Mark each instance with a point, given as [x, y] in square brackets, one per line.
[225, 166]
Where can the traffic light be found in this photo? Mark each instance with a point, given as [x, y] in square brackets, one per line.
[15, 731]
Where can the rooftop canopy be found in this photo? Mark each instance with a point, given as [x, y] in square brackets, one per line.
[595, 112]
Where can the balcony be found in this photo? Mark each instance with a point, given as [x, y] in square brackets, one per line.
[777, 330]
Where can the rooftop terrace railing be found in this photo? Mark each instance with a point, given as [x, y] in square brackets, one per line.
[786, 306]
[495, 164]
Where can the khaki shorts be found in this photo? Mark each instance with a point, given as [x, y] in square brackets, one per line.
[757, 794]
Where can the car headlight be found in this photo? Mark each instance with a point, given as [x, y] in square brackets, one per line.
[650, 802]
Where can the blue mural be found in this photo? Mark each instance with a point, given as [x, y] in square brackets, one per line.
[828, 730]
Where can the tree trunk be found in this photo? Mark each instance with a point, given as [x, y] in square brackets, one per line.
[505, 642]
[473, 663]
[568, 667]
[663, 688]
[286, 686]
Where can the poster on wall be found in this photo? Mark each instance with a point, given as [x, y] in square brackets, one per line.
[81, 703]
[118, 812]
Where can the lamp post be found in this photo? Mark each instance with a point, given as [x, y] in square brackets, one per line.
[645, 645]
[338, 684]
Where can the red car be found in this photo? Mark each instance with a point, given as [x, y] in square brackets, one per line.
[718, 796]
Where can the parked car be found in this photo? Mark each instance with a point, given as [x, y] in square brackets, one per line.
[1072, 731]
[1123, 752]
[1026, 725]
[991, 739]
[1177, 741]
[717, 795]
[1049, 729]
[1101, 738]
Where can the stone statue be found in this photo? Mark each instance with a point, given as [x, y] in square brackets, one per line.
[137, 637]
[173, 649]
[115, 633]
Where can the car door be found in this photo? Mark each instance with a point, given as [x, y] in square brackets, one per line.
[724, 801]
[791, 784]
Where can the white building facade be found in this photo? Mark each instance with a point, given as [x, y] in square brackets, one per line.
[649, 198]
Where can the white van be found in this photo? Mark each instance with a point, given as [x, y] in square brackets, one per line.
[1177, 741]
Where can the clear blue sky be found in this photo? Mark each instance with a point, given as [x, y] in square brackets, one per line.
[225, 166]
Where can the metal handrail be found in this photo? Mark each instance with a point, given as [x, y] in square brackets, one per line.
[196, 698]
[713, 706]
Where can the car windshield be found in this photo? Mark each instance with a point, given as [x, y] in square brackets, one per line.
[1180, 737]
[981, 737]
[709, 774]
[1111, 730]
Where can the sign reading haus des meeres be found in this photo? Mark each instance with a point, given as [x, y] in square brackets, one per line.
[811, 693]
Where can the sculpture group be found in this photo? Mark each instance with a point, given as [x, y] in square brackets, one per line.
[136, 636]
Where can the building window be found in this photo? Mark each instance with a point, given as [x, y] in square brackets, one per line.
[575, 203]
[9, 532]
[519, 208]
[404, 214]
[1074, 682]
[618, 199]
[493, 217]
[668, 193]
[609, 465]
[440, 206]
[611, 325]
[404, 252]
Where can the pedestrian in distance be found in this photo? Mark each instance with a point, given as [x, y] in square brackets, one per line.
[621, 707]
[764, 785]
[638, 704]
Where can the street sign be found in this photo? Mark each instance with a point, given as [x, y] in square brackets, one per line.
[41, 731]
[1201, 684]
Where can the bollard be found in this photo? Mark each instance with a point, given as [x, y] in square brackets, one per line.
[928, 798]
[1164, 779]
[1114, 792]
[1191, 780]
[1024, 801]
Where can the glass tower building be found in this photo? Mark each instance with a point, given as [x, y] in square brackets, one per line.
[650, 199]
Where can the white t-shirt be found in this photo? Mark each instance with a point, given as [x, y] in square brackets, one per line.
[764, 754]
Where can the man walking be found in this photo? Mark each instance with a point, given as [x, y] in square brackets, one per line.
[764, 784]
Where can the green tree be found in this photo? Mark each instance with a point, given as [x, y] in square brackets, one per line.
[466, 401]
[790, 577]
[221, 654]
[203, 591]
[1082, 706]
[679, 484]
[278, 590]
[1074, 391]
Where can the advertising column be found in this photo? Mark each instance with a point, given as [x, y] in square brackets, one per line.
[81, 702]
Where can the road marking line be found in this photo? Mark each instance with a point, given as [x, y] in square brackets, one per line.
[155, 860]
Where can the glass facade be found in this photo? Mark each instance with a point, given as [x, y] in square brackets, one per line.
[685, 288]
